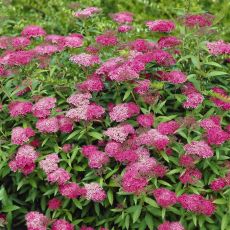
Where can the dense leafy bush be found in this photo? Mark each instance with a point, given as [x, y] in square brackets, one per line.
[113, 122]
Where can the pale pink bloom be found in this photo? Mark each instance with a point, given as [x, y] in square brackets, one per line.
[196, 203]
[92, 84]
[20, 42]
[71, 190]
[122, 17]
[20, 108]
[119, 133]
[61, 224]
[50, 163]
[164, 26]
[87, 12]
[33, 31]
[21, 135]
[59, 176]
[46, 49]
[36, 220]
[71, 41]
[48, 125]
[170, 226]
[94, 192]
[199, 148]
[218, 47]
[85, 59]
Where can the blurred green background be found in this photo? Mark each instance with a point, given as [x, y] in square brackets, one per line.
[56, 15]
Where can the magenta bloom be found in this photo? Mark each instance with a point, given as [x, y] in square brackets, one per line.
[94, 192]
[92, 84]
[24, 160]
[48, 125]
[54, 204]
[50, 163]
[169, 127]
[71, 41]
[42, 108]
[124, 28]
[145, 120]
[21, 135]
[4, 42]
[197, 203]
[33, 31]
[122, 112]
[168, 42]
[199, 148]
[218, 184]
[84, 59]
[186, 161]
[20, 42]
[190, 176]
[119, 133]
[107, 39]
[164, 197]
[153, 138]
[164, 26]
[133, 182]
[87, 12]
[36, 220]
[170, 226]
[65, 124]
[46, 49]
[176, 77]
[71, 190]
[218, 47]
[219, 101]
[199, 20]
[122, 17]
[142, 87]
[79, 99]
[62, 224]
[59, 176]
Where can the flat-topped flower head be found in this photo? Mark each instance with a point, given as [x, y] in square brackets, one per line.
[87, 12]
[164, 26]
[94, 192]
[50, 163]
[21, 135]
[122, 17]
[199, 148]
[62, 224]
[198, 20]
[218, 47]
[36, 220]
[59, 176]
[33, 31]
[170, 226]
[164, 197]
[20, 42]
[71, 190]
[168, 42]
[107, 39]
[20, 108]
[85, 59]
[48, 125]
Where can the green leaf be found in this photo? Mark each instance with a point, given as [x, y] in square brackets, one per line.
[96, 135]
[110, 196]
[10, 208]
[216, 73]
[224, 222]
[149, 221]
[137, 213]
[127, 93]
[151, 202]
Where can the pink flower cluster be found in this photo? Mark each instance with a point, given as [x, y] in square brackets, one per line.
[145, 120]
[223, 102]
[122, 112]
[164, 197]
[218, 47]
[170, 226]
[84, 59]
[24, 160]
[107, 39]
[84, 110]
[194, 98]
[168, 42]
[214, 133]
[164, 26]
[95, 157]
[167, 128]
[199, 148]
[122, 17]
[196, 203]
[198, 20]
[21, 135]
[87, 12]
[33, 31]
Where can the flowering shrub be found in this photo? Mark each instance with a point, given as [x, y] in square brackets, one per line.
[122, 127]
